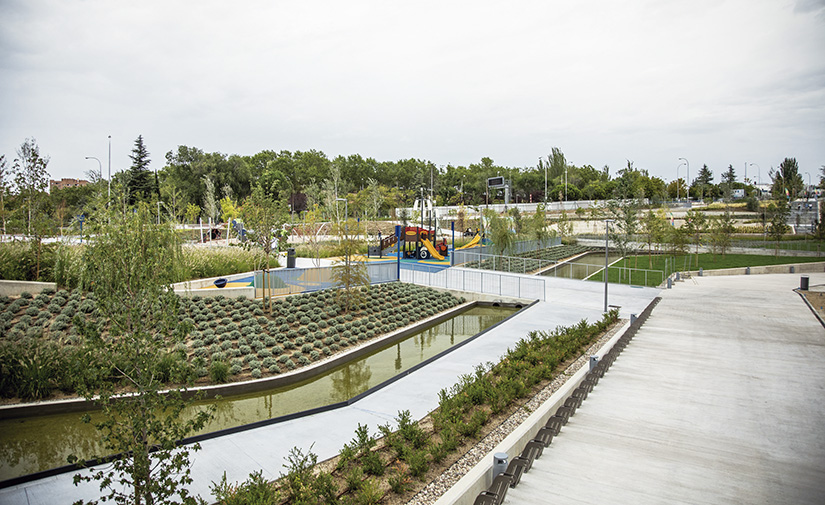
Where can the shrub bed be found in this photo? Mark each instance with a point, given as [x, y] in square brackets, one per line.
[41, 351]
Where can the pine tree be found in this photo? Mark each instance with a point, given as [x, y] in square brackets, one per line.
[140, 183]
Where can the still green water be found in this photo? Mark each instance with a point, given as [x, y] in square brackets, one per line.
[33, 444]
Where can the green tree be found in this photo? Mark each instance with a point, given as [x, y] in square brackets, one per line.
[721, 232]
[538, 226]
[625, 216]
[787, 181]
[500, 233]
[653, 229]
[31, 179]
[349, 274]
[229, 211]
[3, 190]
[128, 269]
[703, 181]
[778, 212]
[695, 225]
[210, 203]
[139, 182]
[564, 225]
[263, 219]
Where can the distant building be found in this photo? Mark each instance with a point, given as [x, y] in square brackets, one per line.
[67, 183]
[738, 193]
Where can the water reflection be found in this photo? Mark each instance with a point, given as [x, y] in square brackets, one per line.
[34, 444]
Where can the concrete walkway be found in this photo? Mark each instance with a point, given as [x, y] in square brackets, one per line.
[718, 399]
[568, 301]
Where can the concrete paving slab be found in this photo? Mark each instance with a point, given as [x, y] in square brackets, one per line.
[266, 448]
[716, 400]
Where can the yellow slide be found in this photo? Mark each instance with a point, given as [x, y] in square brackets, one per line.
[433, 252]
[470, 244]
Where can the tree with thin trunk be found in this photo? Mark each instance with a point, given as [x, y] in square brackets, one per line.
[653, 229]
[263, 219]
[127, 270]
[778, 212]
[350, 275]
[695, 224]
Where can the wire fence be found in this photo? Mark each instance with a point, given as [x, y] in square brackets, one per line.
[479, 281]
[523, 246]
[287, 281]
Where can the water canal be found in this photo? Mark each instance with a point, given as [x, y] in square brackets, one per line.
[582, 267]
[30, 445]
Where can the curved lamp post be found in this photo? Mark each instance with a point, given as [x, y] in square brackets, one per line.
[687, 182]
[606, 229]
[99, 164]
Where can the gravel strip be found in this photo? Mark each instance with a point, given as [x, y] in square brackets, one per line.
[457, 470]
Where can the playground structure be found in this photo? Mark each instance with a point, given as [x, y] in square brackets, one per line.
[416, 243]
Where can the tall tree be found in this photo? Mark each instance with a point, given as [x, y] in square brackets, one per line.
[653, 229]
[695, 224]
[210, 203]
[128, 269]
[778, 212]
[728, 179]
[30, 178]
[3, 189]
[263, 219]
[703, 181]
[140, 182]
[350, 275]
[787, 181]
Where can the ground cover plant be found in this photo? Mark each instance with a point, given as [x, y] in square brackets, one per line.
[529, 261]
[393, 464]
[230, 339]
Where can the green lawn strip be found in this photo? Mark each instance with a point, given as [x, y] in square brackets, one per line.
[707, 261]
[371, 471]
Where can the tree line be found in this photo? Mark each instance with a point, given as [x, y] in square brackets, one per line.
[193, 184]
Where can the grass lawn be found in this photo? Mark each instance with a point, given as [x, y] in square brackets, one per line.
[640, 273]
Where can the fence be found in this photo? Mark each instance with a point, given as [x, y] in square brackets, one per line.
[520, 247]
[479, 281]
[287, 281]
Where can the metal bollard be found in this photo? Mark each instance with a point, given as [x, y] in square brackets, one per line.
[632, 319]
[594, 360]
[700, 271]
[500, 462]
[677, 276]
[747, 270]
[803, 283]
[669, 283]
[793, 269]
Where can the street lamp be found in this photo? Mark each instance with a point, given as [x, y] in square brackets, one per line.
[99, 164]
[677, 181]
[606, 230]
[808, 189]
[758, 173]
[110, 168]
[687, 182]
[346, 207]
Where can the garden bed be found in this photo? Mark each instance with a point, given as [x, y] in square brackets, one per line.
[232, 340]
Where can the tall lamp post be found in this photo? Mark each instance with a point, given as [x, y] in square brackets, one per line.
[677, 180]
[808, 189]
[606, 234]
[110, 168]
[758, 173]
[688, 177]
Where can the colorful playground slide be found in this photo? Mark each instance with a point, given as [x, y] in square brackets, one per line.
[433, 252]
[471, 243]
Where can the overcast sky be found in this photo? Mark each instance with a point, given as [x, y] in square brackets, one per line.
[716, 82]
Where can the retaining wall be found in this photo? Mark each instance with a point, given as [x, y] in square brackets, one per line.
[15, 288]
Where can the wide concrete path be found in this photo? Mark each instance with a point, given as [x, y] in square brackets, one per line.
[568, 301]
[720, 398]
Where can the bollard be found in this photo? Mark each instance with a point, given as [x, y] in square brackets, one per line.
[500, 462]
[700, 271]
[594, 360]
[803, 283]
[677, 276]
[632, 319]
[669, 283]
[747, 270]
[793, 269]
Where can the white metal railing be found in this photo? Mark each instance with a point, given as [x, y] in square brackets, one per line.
[479, 281]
